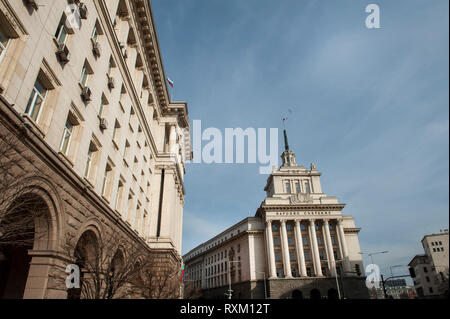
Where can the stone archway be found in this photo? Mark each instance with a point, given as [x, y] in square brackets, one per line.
[86, 258]
[297, 294]
[333, 294]
[315, 294]
[25, 227]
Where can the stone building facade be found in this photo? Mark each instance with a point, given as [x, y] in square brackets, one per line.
[293, 247]
[430, 271]
[102, 147]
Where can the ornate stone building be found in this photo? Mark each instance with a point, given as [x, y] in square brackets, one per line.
[97, 140]
[293, 247]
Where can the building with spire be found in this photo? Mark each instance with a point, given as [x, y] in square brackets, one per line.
[297, 245]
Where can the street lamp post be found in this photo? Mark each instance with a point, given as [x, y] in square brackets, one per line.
[336, 276]
[229, 277]
[371, 258]
[265, 289]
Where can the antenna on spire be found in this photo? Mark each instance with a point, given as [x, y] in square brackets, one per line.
[286, 145]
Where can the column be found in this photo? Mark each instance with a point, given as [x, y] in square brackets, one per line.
[299, 248]
[315, 249]
[332, 262]
[285, 251]
[270, 250]
[340, 228]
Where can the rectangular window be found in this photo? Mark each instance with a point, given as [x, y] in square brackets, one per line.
[321, 254]
[277, 256]
[307, 189]
[119, 197]
[61, 32]
[115, 130]
[294, 272]
[279, 272]
[307, 256]
[305, 241]
[333, 240]
[106, 181]
[125, 150]
[292, 255]
[89, 160]
[288, 187]
[276, 241]
[290, 241]
[67, 137]
[84, 76]
[36, 101]
[297, 187]
[95, 34]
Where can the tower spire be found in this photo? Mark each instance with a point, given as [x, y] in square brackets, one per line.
[286, 144]
[288, 156]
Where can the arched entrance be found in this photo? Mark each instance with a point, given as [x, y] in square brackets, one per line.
[333, 294]
[315, 294]
[24, 227]
[297, 294]
[86, 257]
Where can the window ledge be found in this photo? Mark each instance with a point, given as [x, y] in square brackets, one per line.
[88, 182]
[115, 145]
[33, 124]
[65, 158]
[106, 199]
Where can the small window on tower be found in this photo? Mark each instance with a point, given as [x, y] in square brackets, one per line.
[288, 187]
[307, 189]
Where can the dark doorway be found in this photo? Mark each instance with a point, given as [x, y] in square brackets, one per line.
[297, 294]
[14, 268]
[315, 294]
[18, 236]
[333, 294]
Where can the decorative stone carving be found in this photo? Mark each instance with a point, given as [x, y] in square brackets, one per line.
[301, 198]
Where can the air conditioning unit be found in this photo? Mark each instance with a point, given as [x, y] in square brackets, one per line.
[86, 94]
[96, 47]
[103, 124]
[83, 10]
[111, 82]
[33, 3]
[63, 53]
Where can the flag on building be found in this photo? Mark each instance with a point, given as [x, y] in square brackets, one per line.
[182, 274]
[170, 82]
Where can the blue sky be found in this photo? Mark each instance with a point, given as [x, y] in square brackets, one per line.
[369, 107]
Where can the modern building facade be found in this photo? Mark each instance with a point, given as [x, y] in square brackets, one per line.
[292, 248]
[83, 92]
[430, 271]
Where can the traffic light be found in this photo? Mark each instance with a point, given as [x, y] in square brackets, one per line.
[358, 270]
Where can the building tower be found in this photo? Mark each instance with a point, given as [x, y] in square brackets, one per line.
[298, 241]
